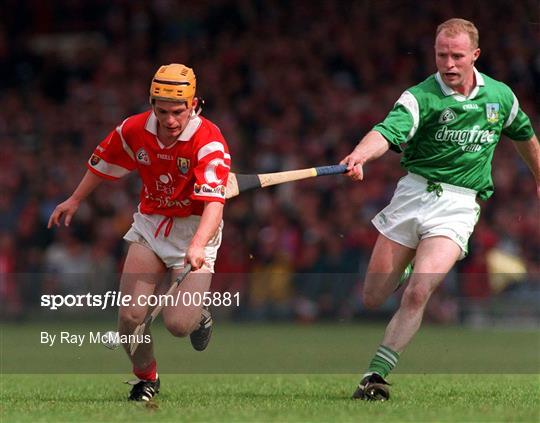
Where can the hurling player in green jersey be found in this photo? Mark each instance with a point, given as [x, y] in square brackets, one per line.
[448, 126]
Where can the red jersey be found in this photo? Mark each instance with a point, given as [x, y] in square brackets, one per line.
[177, 179]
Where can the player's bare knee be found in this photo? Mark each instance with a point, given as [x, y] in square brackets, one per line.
[372, 302]
[415, 297]
[180, 329]
[128, 319]
[378, 286]
[371, 298]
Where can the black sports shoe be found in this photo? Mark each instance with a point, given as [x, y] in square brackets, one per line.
[143, 390]
[201, 337]
[372, 388]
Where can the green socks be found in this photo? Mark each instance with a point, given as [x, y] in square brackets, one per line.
[383, 362]
[405, 275]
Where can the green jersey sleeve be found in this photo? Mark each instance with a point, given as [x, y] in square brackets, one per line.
[401, 123]
[518, 125]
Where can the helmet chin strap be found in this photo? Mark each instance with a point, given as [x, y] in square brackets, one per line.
[198, 109]
[194, 113]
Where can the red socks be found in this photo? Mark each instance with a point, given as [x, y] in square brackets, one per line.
[149, 373]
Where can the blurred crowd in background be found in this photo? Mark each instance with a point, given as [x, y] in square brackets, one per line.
[291, 85]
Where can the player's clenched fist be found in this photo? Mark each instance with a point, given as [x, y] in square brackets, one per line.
[354, 166]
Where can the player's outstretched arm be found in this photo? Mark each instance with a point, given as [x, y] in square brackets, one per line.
[208, 226]
[530, 153]
[68, 208]
[371, 147]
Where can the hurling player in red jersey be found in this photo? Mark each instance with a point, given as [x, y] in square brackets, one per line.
[183, 162]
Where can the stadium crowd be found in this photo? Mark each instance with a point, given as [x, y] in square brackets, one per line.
[291, 85]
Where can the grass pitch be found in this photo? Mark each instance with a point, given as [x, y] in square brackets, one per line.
[276, 398]
[281, 373]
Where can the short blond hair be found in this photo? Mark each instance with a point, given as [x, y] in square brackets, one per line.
[456, 26]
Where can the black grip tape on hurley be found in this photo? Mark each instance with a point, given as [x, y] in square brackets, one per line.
[246, 182]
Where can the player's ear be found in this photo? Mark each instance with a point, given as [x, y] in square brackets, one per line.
[476, 54]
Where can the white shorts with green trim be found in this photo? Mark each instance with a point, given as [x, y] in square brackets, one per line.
[416, 213]
[169, 238]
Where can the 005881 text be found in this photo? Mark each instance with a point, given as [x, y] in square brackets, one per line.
[206, 299]
[116, 299]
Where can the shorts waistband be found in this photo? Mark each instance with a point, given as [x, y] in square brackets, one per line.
[448, 187]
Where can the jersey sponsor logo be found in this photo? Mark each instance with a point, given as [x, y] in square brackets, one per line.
[447, 116]
[165, 184]
[167, 203]
[142, 157]
[206, 189]
[164, 156]
[183, 164]
[492, 112]
[469, 139]
[94, 160]
[471, 106]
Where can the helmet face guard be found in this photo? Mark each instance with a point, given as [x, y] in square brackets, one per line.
[174, 82]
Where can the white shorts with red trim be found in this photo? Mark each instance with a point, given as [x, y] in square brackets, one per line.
[169, 238]
[414, 213]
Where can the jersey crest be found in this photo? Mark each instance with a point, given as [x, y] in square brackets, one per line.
[142, 157]
[183, 164]
[447, 116]
[94, 160]
[492, 112]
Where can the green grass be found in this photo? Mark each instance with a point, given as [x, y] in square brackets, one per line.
[280, 348]
[291, 398]
[276, 373]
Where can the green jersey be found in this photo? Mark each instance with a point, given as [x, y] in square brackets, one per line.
[451, 138]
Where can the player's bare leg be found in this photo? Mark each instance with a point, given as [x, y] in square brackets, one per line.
[388, 261]
[140, 276]
[434, 258]
[188, 316]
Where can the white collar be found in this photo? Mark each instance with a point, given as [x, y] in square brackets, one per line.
[460, 97]
[188, 132]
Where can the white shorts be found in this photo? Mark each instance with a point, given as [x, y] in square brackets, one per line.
[171, 248]
[414, 213]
